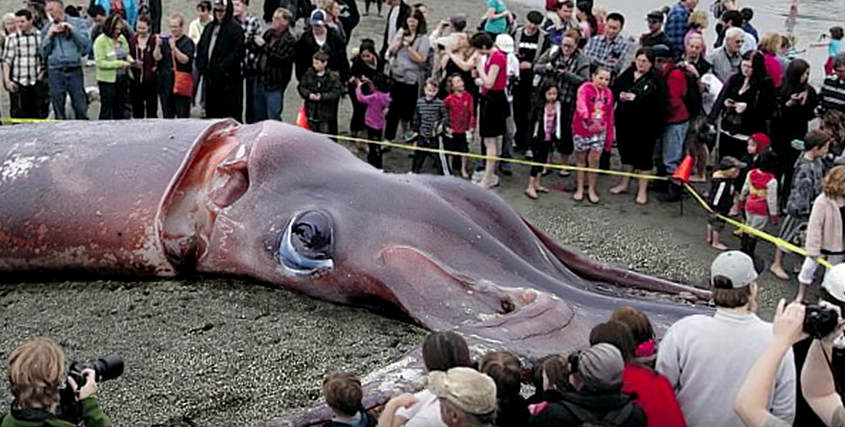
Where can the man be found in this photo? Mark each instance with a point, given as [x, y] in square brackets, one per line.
[467, 397]
[706, 358]
[726, 59]
[397, 14]
[276, 64]
[677, 24]
[320, 37]
[23, 69]
[98, 17]
[693, 47]
[530, 43]
[219, 57]
[559, 22]
[256, 109]
[832, 95]
[609, 49]
[733, 19]
[655, 35]
[177, 51]
[63, 43]
[677, 117]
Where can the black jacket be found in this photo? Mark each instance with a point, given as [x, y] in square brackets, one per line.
[222, 71]
[307, 46]
[329, 87]
[349, 16]
[404, 13]
[562, 407]
[642, 118]
[277, 59]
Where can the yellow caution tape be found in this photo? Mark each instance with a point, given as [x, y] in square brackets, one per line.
[15, 121]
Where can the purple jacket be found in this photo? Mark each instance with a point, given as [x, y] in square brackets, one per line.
[376, 102]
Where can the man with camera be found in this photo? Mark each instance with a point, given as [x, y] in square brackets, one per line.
[706, 358]
[63, 44]
[36, 373]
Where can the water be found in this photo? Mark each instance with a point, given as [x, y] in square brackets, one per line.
[814, 18]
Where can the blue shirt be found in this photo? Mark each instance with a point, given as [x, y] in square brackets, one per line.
[65, 49]
[677, 25]
[498, 25]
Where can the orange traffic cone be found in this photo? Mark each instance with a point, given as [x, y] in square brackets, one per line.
[682, 173]
[302, 119]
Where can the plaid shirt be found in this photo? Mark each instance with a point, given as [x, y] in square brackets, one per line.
[23, 55]
[677, 26]
[252, 28]
[610, 54]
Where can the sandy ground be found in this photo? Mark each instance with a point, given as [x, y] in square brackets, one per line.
[212, 351]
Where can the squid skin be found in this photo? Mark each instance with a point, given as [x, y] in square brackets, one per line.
[293, 209]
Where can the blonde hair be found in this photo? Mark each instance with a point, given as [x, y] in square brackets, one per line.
[35, 373]
[770, 43]
[600, 12]
[833, 184]
[6, 18]
[699, 18]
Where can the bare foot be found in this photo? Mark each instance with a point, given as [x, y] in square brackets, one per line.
[593, 198]
[719, 246]
[464, 175]
[578, 196]
[641, 200]
[778, 272]
[531, 194]
[618, 189]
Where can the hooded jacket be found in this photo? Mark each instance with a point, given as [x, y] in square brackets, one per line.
[556, 409]
[592, 103]
[760, 193]
[223, 63]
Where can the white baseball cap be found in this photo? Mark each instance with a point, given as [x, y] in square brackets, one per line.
[736, 266]
[834, 282]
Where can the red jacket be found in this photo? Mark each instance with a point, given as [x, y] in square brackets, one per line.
[654, 395]
[461, 112]
[676, 80]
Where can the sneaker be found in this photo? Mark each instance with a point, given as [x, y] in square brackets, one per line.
[477, 175]
[529, 154]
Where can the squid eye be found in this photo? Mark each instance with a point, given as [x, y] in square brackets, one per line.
[307, 243]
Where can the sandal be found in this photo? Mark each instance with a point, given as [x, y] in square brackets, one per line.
[577, 198]
[564, 173]
[530, 196]
[594, 201]
[541, 189]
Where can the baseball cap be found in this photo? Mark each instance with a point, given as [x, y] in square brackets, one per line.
[736, 266]
[219, 5]
[655, 15]
[661, 51]
[834, 282]
[730, 162]
[318, 17]
[601, 367]
[469, 390]
[505, 43]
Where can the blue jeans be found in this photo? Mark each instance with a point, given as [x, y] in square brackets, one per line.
[275, 101]
[674, 137]
[64, 81]
[256, 108]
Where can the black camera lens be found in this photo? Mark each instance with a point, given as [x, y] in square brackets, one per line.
[106, 368]
[819, 322]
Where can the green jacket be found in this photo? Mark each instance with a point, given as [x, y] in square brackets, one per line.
[92, 416]
[107, 63]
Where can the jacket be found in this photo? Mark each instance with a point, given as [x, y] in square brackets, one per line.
[130, 8]
[722, 192]
[676, 82]
[654, 394]
[329, 87]
[277, 59]
[224, 62]
[568, 74]
[107, 64]
[65, 49]
[92, 416]
[555, 409]
[404, 12]
[377, 103]
[366, 420]
[538, 118]
[824, 231]
[760, 193]
[591, 103]
[461, 112]
[307, 46]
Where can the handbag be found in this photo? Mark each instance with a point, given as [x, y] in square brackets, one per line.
[183, 82]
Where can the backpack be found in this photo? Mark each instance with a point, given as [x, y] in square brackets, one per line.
[614, 418]
[693, 100]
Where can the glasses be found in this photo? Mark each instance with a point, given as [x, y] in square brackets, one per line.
[568, 45]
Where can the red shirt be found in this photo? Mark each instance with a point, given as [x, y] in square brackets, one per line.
[461, 112]
[676, 80]
[654, 395]
[497, 57]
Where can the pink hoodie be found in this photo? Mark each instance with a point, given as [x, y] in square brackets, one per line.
[592, 102]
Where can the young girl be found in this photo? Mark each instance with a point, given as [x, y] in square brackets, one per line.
[546, 122]
[834, 47]
[376, 102]
[461, 111]
[592, 129]
[759, 197]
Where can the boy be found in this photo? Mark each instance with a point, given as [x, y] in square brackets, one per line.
[430, 113]
[321, 90]
[722, 190]
[806, 185]
[460, 106]
[343, 394]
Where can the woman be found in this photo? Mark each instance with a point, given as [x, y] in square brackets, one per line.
[9, 27]
[111, 54]
[460, 58]
[409, 50]
[641, 100]
[824, 230]
[496, 18]
[143, 89]
[698, 22]
[506, 370]
[332, 9]
[176, 53]
[586, 21]
[364, 66]
[645, 344]
[746, 105]
[770, 46]
[795, 108]
[494, 103]
[126, 9]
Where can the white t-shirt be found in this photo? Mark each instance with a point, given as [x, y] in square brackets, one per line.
[424, 413]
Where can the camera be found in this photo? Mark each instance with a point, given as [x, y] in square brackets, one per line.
[819, 322]
[107, 368]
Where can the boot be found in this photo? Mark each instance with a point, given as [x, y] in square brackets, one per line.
[673, 193]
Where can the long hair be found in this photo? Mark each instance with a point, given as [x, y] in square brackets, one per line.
[421, 26]
[792, 78]
[506, 371]
[758, 66]
[445, 350]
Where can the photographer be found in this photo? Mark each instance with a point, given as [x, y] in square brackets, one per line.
[36, 369]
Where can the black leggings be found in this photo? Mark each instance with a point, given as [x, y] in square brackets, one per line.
[374, 150]
[367, 5]
[540, 151]
[419, 156]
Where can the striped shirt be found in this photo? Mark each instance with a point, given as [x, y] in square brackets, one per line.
[252, 28]
[428, 114]
[833, 93]
[23, 55]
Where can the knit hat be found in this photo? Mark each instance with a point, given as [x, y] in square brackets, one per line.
[601, 368]
[736, 266]
[469, 390]
[763, 141]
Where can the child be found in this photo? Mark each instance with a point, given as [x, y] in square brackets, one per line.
[546, 122]
[460, 107]
[805, 187]
[343, 394]
[377, 102]
[834, 47]
[430, 112]
[759, 198]
[722, 190]
[592, 130]
[321, 90]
